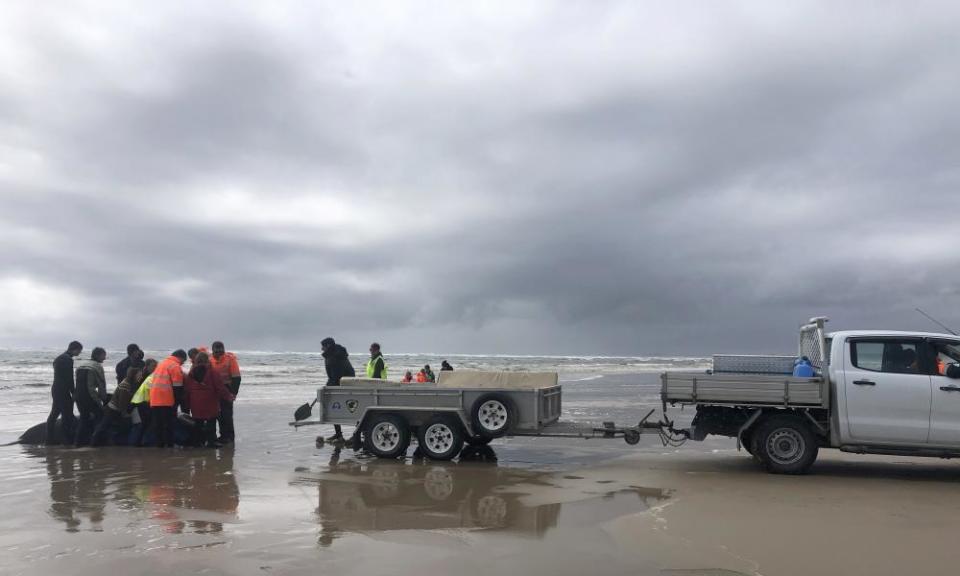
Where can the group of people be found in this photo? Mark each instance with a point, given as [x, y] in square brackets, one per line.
[150, 395]
[149, 398]
[425, 374]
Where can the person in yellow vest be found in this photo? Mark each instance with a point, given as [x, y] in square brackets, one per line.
[376, 366]
[141, 403]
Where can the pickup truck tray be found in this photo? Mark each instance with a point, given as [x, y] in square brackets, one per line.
[741, 389]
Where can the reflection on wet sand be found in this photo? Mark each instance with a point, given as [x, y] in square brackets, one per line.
[192, 491]
[371, 495]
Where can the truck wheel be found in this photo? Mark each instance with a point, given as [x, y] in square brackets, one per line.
[785, 445]
[492, 415]
[386, 436]
[441, 438]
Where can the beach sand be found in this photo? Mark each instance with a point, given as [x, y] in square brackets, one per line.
[276, 504]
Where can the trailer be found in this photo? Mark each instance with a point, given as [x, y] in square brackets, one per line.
[462, 407]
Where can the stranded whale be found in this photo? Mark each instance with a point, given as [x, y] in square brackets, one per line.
[37, 434]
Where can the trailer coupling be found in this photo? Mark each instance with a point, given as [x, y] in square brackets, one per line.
[669, 435]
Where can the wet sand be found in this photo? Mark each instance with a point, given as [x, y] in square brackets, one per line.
[276, 504]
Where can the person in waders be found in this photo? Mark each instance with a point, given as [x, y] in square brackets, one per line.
[336, 361]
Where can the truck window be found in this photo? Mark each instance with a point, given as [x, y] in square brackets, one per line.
[896, 356]
[945, 353]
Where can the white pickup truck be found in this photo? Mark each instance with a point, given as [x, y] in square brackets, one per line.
[879, 392]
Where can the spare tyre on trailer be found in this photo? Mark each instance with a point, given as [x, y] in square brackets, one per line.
[493, 415]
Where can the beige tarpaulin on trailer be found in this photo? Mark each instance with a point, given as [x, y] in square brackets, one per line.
[514, 380]
[471, 379]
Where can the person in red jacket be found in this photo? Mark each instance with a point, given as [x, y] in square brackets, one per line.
[203, 390]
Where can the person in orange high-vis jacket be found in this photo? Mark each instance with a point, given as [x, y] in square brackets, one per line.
[163, 404]
[226, 366]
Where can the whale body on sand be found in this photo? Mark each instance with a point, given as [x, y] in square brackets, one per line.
[37, 434]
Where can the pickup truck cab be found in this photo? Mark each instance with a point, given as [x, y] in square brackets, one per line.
[892, 390]
[881, 392]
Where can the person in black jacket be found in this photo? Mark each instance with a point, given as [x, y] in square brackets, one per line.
[134, 359]
[337, 362]
[62, 392]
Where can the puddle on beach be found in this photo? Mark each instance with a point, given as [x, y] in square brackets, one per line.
[190, 492]
[93, 511]
[363, 496]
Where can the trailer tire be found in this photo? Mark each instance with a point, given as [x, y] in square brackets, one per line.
[785, 445]
[440, 438]
[386, 436]
[493, 415]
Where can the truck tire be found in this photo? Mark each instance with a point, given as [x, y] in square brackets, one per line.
[493, 415]
[386, 436]
[785, 445]
[440, 438]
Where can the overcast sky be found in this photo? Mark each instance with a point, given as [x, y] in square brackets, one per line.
[499, 177]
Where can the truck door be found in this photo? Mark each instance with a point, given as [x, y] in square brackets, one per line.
[945, 413]
[887, 393]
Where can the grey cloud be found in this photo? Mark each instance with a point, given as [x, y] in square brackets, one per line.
[562, 199]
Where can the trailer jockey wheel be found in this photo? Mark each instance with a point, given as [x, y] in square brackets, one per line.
[493, 415]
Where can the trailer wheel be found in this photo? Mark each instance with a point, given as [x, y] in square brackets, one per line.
[386, 436]
[785, 445]
[493, 415]
[631, 436]
[440, 438]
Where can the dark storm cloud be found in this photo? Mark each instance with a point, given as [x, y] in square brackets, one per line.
[622, 179]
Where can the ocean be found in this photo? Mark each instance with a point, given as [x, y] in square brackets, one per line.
[595, 387]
